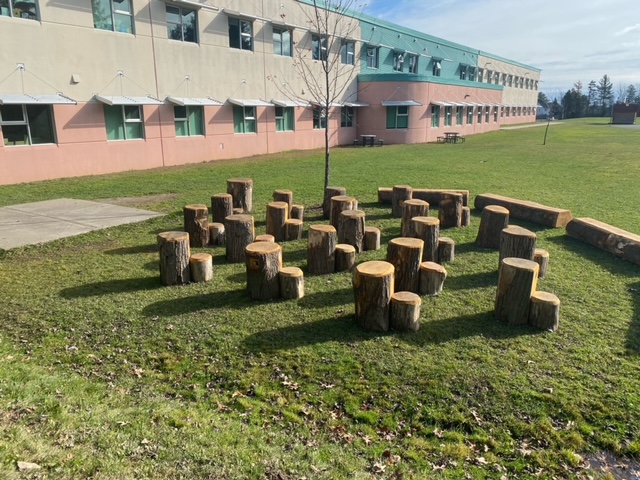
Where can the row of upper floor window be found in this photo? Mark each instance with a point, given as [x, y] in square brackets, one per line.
[398, 116]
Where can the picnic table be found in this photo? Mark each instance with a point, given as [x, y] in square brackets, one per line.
[368, 140]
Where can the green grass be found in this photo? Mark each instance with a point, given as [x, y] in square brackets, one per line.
[104, 373]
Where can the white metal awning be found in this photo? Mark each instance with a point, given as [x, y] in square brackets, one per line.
[289, 103]
[355, 104]
[318, 104]
[401, 103]
[442, 104]
[249, 102]
[23, 98]
[192, 101]
[235, 13]
[126, 100]
[281, 24]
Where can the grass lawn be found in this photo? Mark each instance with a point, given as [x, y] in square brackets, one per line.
[105, 374]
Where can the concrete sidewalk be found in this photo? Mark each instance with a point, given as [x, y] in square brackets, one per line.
[39, 222]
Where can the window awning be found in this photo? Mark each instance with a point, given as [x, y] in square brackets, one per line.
[249, 102]
[401, 103]
[185, 3]
[458, 104]
[442, 104]
[23, 98]
[355, 104]
[125, 100]
[190, 101]
[318, 104]
[235, 13]
[281, 24]
[289, 103]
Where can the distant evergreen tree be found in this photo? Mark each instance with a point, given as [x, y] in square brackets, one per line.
[632, 94]
[592, 97]
[605, 94]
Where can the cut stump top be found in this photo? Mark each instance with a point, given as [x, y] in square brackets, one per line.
[521, 263]
[196, 206]
[291, 272]
[545, 297]
[433, 266]
[279, 205]
[240, 180]
[375, 268]
[407, 242]
[174, 236]
[323, 228]
[200, 257]
[407, 298]
[416, 202]
[352, 213]
[343, 198]
[426, 220]
[496, 209]
[345, 247]
[240, 217]
[263, 248]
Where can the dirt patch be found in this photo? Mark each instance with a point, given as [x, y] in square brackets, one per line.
[144, 202]
[619, 468]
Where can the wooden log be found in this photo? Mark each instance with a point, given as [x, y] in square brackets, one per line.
[410, 209]
[450, 211]
[351, 227]
[385, 195]
[241, 189]
[238, 211]
[293, 229]
[329, 193]
[494, 219]
[263, 262]
[433, 196]
[201, 265]
[297, 212]
[345, 257]
[265, 237]
[446, 250]
[517, 242]
[517, 280]
[432, 277]
[428, 230]
[339, 204]
[217, 234]
[291, 283]
[530, 211]
[277, 215]
[373, 285]
[399, 194]
[541, 257]
[404, 312]
[614, 240]
[544, 311]
[284, 196]
[174, 258]
[196, 224]
[371, 238]
[321, 254]
[466, 217]
[221, 206]
[405, 254]
[240, 232]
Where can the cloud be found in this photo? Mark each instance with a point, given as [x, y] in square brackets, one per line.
[624, 31]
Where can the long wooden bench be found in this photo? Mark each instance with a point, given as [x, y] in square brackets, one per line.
[524, 210]
[614, 240]
[432, 196]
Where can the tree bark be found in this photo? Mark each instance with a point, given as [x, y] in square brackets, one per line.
[517, 280]
[293, 229]
[221, 206]
[494, 219]
[196, 224]
[240, 232]
[614, 240]
[446, 250]
[174, 257]
[351, 227]
[371, 238]
[450, 211]
[284, 196]
[241, 189]
[541, 257]
[339, 204]
[433, 196]
[466, 217]
[345, 257]
[385, 195]
[530, 211]
[329, 193]
[517, 242]
[399, 194]
[432, 277]
[263, 262]
[405, 254]
[297, 212]
[544, 311]
[428, 230]
[321, 254]
[277, 215]
[373, 285]
[216, 234]
[291, 283]
[404, 312]
[201, 265]
[410, 209]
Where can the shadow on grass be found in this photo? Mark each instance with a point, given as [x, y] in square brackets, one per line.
[473, 280]
[126, 285]
[236, 299]
[151, 248]
[327, 299]
[633, 336]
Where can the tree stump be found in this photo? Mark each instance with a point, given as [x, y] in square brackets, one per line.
[291, 283]
[221, 206]
[238, 211]
[277, 215]
[404, 312]
[541, 257]
[517, 242]
[297, 212]
[351, 227]
[428, 230]
[339, 204]
[216, 233]
[284, 196]
[410, 209]
[329, 193]
[293, 229]
[466, 217]
[450, 210]
[345, 257]
[373, 285]
[240, 232]
[432, 277]
[321, 254]
[196, 224]
[201, 265]
[371, 238]
[446, 250]
[174, 257]
[544, 311]
[241, 189]
[405, 254]
[385, 195]
[265, 237]
[399, 194]
[517, 280]
[494, 219]
[263, 262]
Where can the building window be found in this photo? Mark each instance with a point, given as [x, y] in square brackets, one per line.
[189, 120]
[348, 52]
[472, 74]
[181, 24]
[240, 34]
[469, 115]
[536, 85]
[19, 8]
[487, 114]
[437, 67]
[480, 114]
[519, 111]
[459, 115]
[373, 54]
[507, 111]
[447, 116]
[398, 117]
[496, 78]
[124, 122]
[463, 72]
[517, 81]
[319, 47]
[319, 117]
[113, 15]
[504, 79]
[282, 42]
[435, 116]
[26, 124]
[480, 75]
[510, 80]
[398, 61]
[495, 114]
[346, 116]
[502, 112]
[413, 64]
[244, 119]
[284, 119]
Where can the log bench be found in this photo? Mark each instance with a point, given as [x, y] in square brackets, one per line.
[614, 240]
[525, 210]
[433, 196]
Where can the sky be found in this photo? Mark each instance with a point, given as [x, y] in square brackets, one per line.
[570, 40]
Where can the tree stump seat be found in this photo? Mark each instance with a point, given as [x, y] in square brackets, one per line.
[373, 285]
[351, 228]
[217, 234]
[517, 280]
[321, 253]
[446, 250]
[265, 237]
[410, 209]
[524, 210]
[450, 210]
[432, 277]
[541, 257]
[263, 263]
[221, 206]
[405, 254]
[399, 194]
[427, 229]
[174, 253]
[544, 311]
[240, 232]
[371, 238]
[241, 189]
[345, 257]
[517, 242]
[404, 312]
[293, 229]
[616, 241]
[494, 219]
[339, 204]
[196, 224]
[277, 216]
[433, 196]
[329, 193]
[291, 283]
[201, 265]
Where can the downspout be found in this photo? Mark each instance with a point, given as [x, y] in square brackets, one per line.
[264, 77]
[155, 75]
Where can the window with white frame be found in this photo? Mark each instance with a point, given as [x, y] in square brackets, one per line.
[189, 120]
[472, 74]
[501, 111]
[348, 52]
[26, 124]
[413, 64]
[373, 54]
[113, 15]
[319, 117]
[480, 114]
[469, 115]
[435, 116]
[496, 78]
[448, 113]
[319, 50]
[480, 75]
[516, 81]
[282, 43]
[463, 72]
[495, 114]
[346, 116]
[487, 114]
[124, 122]
[240, 34]
[510, 80]
[504, 79]
[244, 119]
[459, 110]
[398, 117]
[19, 9]
[398, 61]
[182, 24]
[284, 119]
[436, 68]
